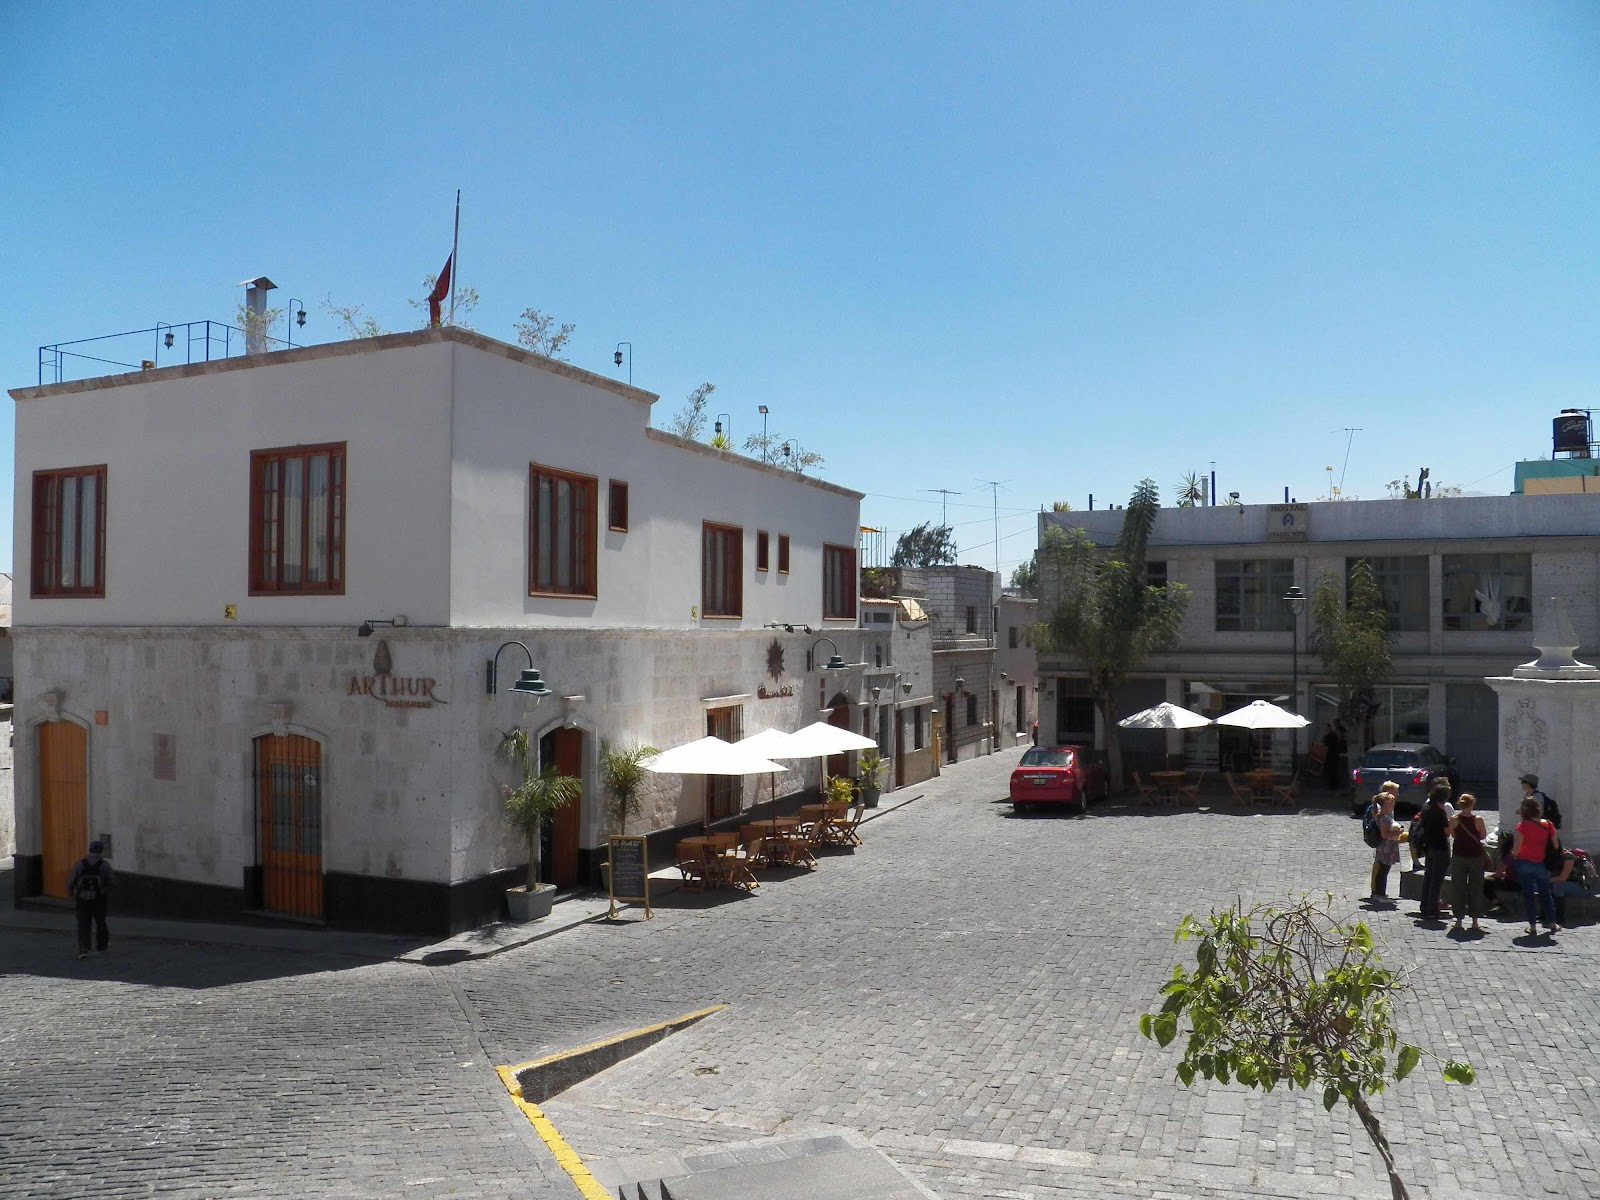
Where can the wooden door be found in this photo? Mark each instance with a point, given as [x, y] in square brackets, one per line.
[899, 750]
[950, 726]
[63, 800]
[722, 791]
[289, 824]
[839, 717]
[563, 748]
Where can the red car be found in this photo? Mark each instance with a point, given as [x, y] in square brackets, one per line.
[1059, 775]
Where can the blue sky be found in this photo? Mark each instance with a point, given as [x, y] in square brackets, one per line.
[1064, 246]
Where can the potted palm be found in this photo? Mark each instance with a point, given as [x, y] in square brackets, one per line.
[623, 776]
[871, 765]
[538, 795]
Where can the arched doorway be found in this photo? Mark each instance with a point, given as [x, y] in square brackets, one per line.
[288, 772]
[63, 800]
[558, 849]
[839, 715]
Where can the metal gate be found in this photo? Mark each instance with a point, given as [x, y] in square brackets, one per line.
[289, 824]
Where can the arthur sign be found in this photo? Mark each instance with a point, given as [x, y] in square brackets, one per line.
[393, 691]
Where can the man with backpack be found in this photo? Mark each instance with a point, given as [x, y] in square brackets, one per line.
[1530, 791]
[88, 885]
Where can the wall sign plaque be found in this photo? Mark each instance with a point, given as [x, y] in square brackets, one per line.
[391, 690]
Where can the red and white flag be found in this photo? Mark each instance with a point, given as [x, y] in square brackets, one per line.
[441, 289]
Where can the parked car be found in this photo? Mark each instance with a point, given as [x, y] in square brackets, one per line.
[1061, 775]
[1413, 765]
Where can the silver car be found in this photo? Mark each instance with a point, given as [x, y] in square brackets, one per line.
[1413, 765]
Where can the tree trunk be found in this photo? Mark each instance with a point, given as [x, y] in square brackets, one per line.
[1369, 1121]
[1107, 704]
[533, 856]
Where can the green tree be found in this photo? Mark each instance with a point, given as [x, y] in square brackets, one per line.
[257, 325]
[1026, 577]
[539, 332]
[777, 450]
[356, 323]
[536, 796]
[1102, 610]
[690, 420]
[1061, 506]
[928, 545]
[623, 776]
[1190, 489]
[1351, 636]
[1291, 995]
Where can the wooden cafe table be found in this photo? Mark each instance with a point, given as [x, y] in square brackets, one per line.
[1261, 782]
[1168, 782]
[779, 831]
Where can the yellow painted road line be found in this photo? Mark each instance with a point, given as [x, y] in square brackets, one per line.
[588, 1186]
[611, 1041]
[571, 1161]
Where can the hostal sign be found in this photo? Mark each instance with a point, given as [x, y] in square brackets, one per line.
[393, 691]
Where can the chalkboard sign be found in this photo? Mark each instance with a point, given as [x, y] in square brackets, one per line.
[630, 873]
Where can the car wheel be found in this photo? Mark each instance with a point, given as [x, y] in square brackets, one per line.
[1018, 809]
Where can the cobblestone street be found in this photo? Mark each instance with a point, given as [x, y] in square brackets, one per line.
[963, 989]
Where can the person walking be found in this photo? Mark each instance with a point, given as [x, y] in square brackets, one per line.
[1533, 834]
[88, 885]
[1333, 746]
[1387, 853]
[1435, 826]
[1467, 862]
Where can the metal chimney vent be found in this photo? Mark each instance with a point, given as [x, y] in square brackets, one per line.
[255, 303]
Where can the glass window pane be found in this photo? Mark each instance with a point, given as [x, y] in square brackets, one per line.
[88, 540]
[293, 521]
[317, 519]
[563, 547]
[67, 560]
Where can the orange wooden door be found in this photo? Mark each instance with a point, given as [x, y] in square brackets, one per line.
[289, 824]
[63, 800]
[566, 751]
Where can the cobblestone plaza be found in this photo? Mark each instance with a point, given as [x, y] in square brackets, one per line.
[963, 989]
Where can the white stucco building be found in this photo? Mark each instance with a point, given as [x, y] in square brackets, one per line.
[198, 548]
[1465, 580]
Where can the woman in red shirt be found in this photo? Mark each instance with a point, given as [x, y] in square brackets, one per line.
[1532, 835]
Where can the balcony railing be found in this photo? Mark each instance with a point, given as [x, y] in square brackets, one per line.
[142, 349]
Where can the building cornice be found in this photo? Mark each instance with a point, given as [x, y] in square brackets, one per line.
[753, 464]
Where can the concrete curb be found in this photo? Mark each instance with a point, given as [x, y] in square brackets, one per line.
[553, 1074]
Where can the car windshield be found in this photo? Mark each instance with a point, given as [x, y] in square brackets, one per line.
[1047, 758]
[1390, 758]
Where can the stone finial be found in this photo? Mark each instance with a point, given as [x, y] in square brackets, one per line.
[51, 703]
[1555, 643]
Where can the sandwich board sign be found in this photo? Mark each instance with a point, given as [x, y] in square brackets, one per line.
[629, 874]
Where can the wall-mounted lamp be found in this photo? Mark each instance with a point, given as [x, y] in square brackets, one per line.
[166, 338]
[529, 683]
[875, 692]
[617, 358]
[787, 627]
[398, 622]
[716, 426]
[835, 663]
[960, 684]
[298, 308]
[1003, 675]
[906, 688]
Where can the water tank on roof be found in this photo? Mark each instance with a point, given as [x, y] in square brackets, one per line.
[1571, 432]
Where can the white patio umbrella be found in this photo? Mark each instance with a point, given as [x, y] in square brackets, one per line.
[710, 756]
[819, 740]
[772, 743]
[1164, 716]
[1258, 714]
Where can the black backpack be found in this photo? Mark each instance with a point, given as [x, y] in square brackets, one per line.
[1552, 810]
[1370, 834]
[90, 886]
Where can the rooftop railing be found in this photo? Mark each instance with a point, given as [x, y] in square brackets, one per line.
[166, 346]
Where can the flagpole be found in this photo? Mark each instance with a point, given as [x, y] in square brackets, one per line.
[455, 260]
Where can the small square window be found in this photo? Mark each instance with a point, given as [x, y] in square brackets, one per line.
[783, 554]
[761, 549]
[617, 507]
[972, 619]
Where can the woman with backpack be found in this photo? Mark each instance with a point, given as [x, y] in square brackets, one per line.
[1534, 836]
[1386, 852]
[1467, 862]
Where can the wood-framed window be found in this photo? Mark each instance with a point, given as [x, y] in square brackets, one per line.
[972, 708]
[562, 532]
[69, 532]
[721, 571]
[783, 554]
[838, 583]
[617, 507]
[297, 520]
[762, 547]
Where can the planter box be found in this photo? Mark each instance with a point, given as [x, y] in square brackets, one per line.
[530, 906]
